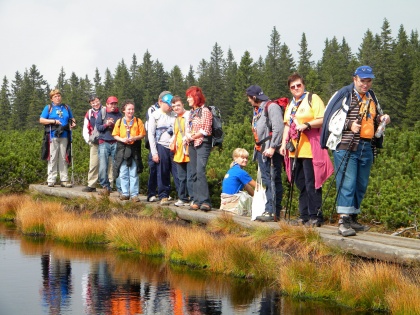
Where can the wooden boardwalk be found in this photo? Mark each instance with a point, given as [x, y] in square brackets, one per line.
[365, 244]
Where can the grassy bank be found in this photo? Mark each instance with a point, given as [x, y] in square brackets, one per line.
[294, 258]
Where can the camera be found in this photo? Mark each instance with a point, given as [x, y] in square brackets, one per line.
[290, 147]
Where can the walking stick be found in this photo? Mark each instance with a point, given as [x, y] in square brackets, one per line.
[292, 180]
[273, 188]
[71, 153]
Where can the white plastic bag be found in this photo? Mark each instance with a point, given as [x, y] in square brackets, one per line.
[259, 200]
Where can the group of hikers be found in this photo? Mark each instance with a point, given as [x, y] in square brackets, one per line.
[293, 135]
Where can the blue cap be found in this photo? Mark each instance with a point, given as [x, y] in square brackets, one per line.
[255, 90]
[364, 72]
[167, 98]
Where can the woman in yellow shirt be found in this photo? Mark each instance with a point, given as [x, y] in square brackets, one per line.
[128, 131]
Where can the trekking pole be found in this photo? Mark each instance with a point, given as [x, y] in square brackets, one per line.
[71, 153]
[273, 189]
[292, 180]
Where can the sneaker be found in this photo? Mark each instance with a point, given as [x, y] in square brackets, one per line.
[266, 216]
[135, 199]
[51, 184]
[164, 202]
[355, 225]
[169, 198]
[194, 206]
[104, 191]
[344, 227]
[66, 184]
[89, 189]
[180, 203]
[123, 197]
[152, 199]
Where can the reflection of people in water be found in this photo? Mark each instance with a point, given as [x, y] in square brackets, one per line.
[56, 283]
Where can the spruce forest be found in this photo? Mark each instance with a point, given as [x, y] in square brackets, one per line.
[393, 193]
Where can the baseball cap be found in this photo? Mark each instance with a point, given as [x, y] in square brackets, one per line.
[167, 98]
[364, 72]
[112, 99]
[255, 90]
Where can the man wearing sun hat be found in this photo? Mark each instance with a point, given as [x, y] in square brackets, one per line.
[160, 134]
[351, 119]
[107, 143]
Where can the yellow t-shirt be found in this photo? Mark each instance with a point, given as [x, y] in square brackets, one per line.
[305, 113]
[181, 154]
[136, 129]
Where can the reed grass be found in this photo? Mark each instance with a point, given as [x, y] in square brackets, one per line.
[294, 257]
[9, 204]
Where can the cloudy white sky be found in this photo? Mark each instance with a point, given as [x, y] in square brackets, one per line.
[82, 35]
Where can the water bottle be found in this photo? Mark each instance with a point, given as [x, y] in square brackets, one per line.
[381, 128]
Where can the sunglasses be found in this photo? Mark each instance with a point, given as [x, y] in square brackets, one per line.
[296, 86]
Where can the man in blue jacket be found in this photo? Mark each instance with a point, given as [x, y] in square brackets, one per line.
[107, 143]
[350, 122]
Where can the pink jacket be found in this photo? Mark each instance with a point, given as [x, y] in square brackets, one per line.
[323, 167]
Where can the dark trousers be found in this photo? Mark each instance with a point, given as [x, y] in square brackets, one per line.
[165, 168]
[310, 199]
[198, 160]
[152, 182]
[185, 189]
[268, 181]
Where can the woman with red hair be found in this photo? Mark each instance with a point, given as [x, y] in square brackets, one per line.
[198, 137]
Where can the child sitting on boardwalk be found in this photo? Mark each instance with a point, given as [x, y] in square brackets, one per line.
[233, 199]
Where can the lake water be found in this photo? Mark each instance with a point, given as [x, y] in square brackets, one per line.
[38, 276]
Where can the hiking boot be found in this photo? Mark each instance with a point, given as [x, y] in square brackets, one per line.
[266, 217]
[123, 197]
[89, 189]
[151, 199]
[180, 203]
[104, 191]
[66, 184]
[313, 223]
[51, 184]
[205, 207]
[344, 227]
[355, 225]
[164, 202]
[135, 199]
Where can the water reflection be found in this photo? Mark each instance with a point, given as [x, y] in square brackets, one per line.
[94, 280]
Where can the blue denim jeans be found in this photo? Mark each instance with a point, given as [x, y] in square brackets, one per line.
[352, 188]
[106, 150]
[198, 160]
[129, 179]
[268, 181]
[185, 189]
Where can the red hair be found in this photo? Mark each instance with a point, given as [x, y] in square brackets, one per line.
[197, 94]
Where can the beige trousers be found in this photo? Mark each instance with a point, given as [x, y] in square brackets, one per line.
[57, 163]
[93, 173]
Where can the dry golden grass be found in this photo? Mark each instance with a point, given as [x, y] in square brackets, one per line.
[297, 241]
[33, 217]
[225, 224]
[142, 235]
[10, 203]
[405, 300]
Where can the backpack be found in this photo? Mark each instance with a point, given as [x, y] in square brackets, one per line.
[216, 126]
[94, 137]
[146, 139]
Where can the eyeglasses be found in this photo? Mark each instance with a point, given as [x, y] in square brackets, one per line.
[296, 86]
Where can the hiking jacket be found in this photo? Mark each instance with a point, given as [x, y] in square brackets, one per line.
[335, 117]
[105, 132]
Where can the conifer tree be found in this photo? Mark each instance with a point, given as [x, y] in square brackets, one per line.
[190, 79]
[244, 79]
[286, 67]
[176, 82]
[215, 82]
[305, 64]
[5, 107]
[272, 83]
[98, 88]
[258, 71]
[108, 84]
[368, 51]
[228, 94]
[35, 86]
[122, 87]
[146, 81]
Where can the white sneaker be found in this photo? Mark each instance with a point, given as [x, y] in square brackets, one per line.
[152, 199]
[180, 203]
[169, 198]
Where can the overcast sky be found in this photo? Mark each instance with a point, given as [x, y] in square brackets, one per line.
[82, 35]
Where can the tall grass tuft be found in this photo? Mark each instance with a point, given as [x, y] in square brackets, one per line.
[32, 217]
[368, 285]
[145, 236]
[225, 224]
[405, 300]
[74, 228]
[191, 246]
[9, 204]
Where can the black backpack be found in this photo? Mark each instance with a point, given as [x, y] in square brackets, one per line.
[216, 126]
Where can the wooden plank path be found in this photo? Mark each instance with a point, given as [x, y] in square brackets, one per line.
[365, 244]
